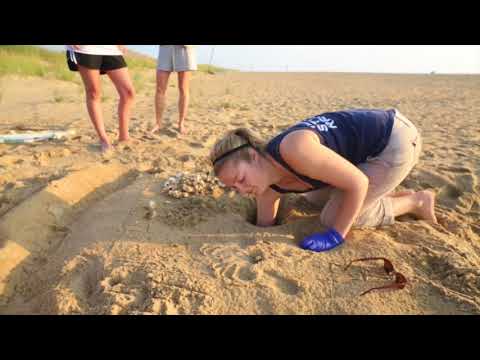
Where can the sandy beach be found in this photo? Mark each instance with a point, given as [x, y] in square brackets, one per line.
[85, 233]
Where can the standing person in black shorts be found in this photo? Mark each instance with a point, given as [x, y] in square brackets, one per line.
[95, 60]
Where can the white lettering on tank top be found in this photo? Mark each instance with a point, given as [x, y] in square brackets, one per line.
[320, 123]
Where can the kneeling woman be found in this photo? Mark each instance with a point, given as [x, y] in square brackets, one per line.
[361, 155]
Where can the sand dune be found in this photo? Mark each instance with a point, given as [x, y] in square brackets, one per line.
[80, 235]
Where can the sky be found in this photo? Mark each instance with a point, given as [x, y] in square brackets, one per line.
[448, 59]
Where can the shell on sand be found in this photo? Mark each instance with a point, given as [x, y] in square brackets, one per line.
[184, 185]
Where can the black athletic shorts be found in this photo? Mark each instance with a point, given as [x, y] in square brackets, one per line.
[103, 63]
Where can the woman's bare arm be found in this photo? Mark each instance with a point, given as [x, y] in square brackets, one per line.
[303, 151]
[267, 207]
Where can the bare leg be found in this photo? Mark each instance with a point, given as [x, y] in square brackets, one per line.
[420, 204]
[91, 81]
[161, 89]
[184, 89]
[123, 84]
[401, 193]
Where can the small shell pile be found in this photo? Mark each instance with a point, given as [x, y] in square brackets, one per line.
[184, 185]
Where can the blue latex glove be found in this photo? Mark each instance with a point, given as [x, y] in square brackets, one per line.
[322, 241]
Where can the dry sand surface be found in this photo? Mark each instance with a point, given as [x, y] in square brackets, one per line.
[83, 233]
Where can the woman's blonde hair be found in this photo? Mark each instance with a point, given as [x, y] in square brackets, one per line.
[232, 140]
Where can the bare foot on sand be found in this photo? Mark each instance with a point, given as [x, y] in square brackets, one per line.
[105, 147]
[182, 129]
[124, 144]
[426, 206]
[155, 128]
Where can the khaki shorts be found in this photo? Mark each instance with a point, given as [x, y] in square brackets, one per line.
[176, 58]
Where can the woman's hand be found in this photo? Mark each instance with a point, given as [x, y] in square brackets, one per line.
[75, 47]
[322, 241]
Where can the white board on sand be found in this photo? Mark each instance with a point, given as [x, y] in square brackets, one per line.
[36, 136]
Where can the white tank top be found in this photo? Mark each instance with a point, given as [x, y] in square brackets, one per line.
[97, 49]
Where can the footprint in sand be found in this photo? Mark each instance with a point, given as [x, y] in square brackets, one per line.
[467, 182]
[466, 179]
[430, 179]
[448, 192]
[234, 270]
[286, 286]
[453, 272]
[169, 133]
[170, 298]
[237, 272]
[246, 274]
[463, 193]
[264, 304]
[230, 262]
[81, 281]
[125, 287]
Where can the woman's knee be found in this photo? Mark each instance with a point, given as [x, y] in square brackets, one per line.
[379, 213]
[160, 90]
[183, 92]
[127, 93]
[93, 93]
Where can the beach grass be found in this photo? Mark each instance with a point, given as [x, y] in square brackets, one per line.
[138, 82]
[211, 69]
[29, 60]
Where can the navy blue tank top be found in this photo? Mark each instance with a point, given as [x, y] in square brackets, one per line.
[353, 134]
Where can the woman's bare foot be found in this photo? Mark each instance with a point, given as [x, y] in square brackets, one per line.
[124, 144]
[426, 206]
[105, 147]
[401, 193]
[155, 128]
[182, 128]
